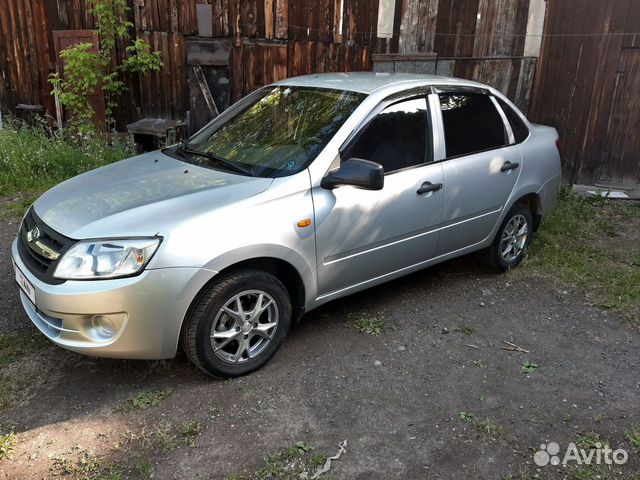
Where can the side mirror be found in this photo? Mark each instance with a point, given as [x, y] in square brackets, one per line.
[356, 172]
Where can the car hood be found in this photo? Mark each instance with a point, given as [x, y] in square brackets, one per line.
[140, 196]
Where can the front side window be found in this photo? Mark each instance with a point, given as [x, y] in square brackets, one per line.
[471, 123]
[280, 133]
[396, 138]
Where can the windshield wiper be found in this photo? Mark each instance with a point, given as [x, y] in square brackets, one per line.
[182, 147]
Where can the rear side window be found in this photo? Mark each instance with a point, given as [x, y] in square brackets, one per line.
[520, 130]
[471, 123]
[396, 138]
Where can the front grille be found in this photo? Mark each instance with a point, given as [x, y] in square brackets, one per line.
[38, 263]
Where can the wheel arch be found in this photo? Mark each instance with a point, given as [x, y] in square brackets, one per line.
[533, 202]
[285, 271]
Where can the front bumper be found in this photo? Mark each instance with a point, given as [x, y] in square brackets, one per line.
[146, 311]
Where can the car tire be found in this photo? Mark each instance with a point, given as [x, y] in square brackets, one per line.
[511, 241]
[226, 334]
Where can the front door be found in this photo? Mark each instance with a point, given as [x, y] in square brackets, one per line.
[364, 235]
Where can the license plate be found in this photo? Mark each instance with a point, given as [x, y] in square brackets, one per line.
[25, 285]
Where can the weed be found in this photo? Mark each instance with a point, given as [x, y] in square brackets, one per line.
[319, 459]
[529, 367]
[87, 467]
[372, 326]
[33, 160]
[190, 429]
[7, 445]
[483, 425]
[465, 329]
[144, 468]
[633, 435]
[602, 271]
[15, 345]
[590, 441]
[146, 399]
[290, 463]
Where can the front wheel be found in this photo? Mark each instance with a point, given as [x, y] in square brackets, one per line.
[512, 239]
[237, 324]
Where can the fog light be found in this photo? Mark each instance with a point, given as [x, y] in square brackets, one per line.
[103, 326]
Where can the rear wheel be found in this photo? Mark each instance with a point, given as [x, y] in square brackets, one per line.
[238, 323]
[512, 240]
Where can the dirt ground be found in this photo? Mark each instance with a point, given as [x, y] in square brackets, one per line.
[431, 396]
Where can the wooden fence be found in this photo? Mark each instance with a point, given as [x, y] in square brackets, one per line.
[265, 40]
[588, 87]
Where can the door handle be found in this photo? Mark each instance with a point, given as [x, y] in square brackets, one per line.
[427, 187]
[506, 166]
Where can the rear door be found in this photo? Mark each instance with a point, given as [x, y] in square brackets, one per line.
[480, 169]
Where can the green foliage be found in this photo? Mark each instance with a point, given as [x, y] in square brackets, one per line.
[190, 429]
[529, 367]
[33, 160]
[590, 441]
[577, 244]
[633, 435]
[150, 398]
[363, 324]
[482, 425]
[90, 68]
[7, 445]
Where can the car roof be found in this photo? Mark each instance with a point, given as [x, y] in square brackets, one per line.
[368, 82]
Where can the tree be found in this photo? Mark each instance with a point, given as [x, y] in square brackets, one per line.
[90, 69]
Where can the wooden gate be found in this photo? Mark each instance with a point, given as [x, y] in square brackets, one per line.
[587, 87]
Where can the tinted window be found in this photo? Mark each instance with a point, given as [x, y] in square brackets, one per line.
[520, 130]
[471, 123]
[396, 138]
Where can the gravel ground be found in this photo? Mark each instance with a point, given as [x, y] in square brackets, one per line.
[395, 397]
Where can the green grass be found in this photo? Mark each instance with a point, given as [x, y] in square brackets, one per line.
[481, 424]
[529, 367]
[590, 441]
[33, 160]
[363, 324]
[633, 435]
[7, 445]
[190, 429]
[15, 345]
[290, 463]
[576, 244]
[146, 399]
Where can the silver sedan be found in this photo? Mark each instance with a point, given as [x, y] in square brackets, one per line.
[305, 191]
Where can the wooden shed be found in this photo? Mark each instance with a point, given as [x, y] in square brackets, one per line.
[216, 51]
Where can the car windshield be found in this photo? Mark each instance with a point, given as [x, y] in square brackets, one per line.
[278, 134]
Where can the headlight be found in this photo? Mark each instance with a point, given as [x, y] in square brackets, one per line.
[106, 258]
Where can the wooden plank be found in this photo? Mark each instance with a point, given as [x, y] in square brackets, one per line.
[237, 73]
[419, 19]
[338, 17]
[325, 20]
[281, 18]
[204, 90]
[633, 25]
[268, 19]
[619, 160]
[455, 27]
[607, 60]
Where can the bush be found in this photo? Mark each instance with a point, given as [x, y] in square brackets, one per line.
[32, 159]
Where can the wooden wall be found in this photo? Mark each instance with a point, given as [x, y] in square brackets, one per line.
[272, 39]
[588, 87]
